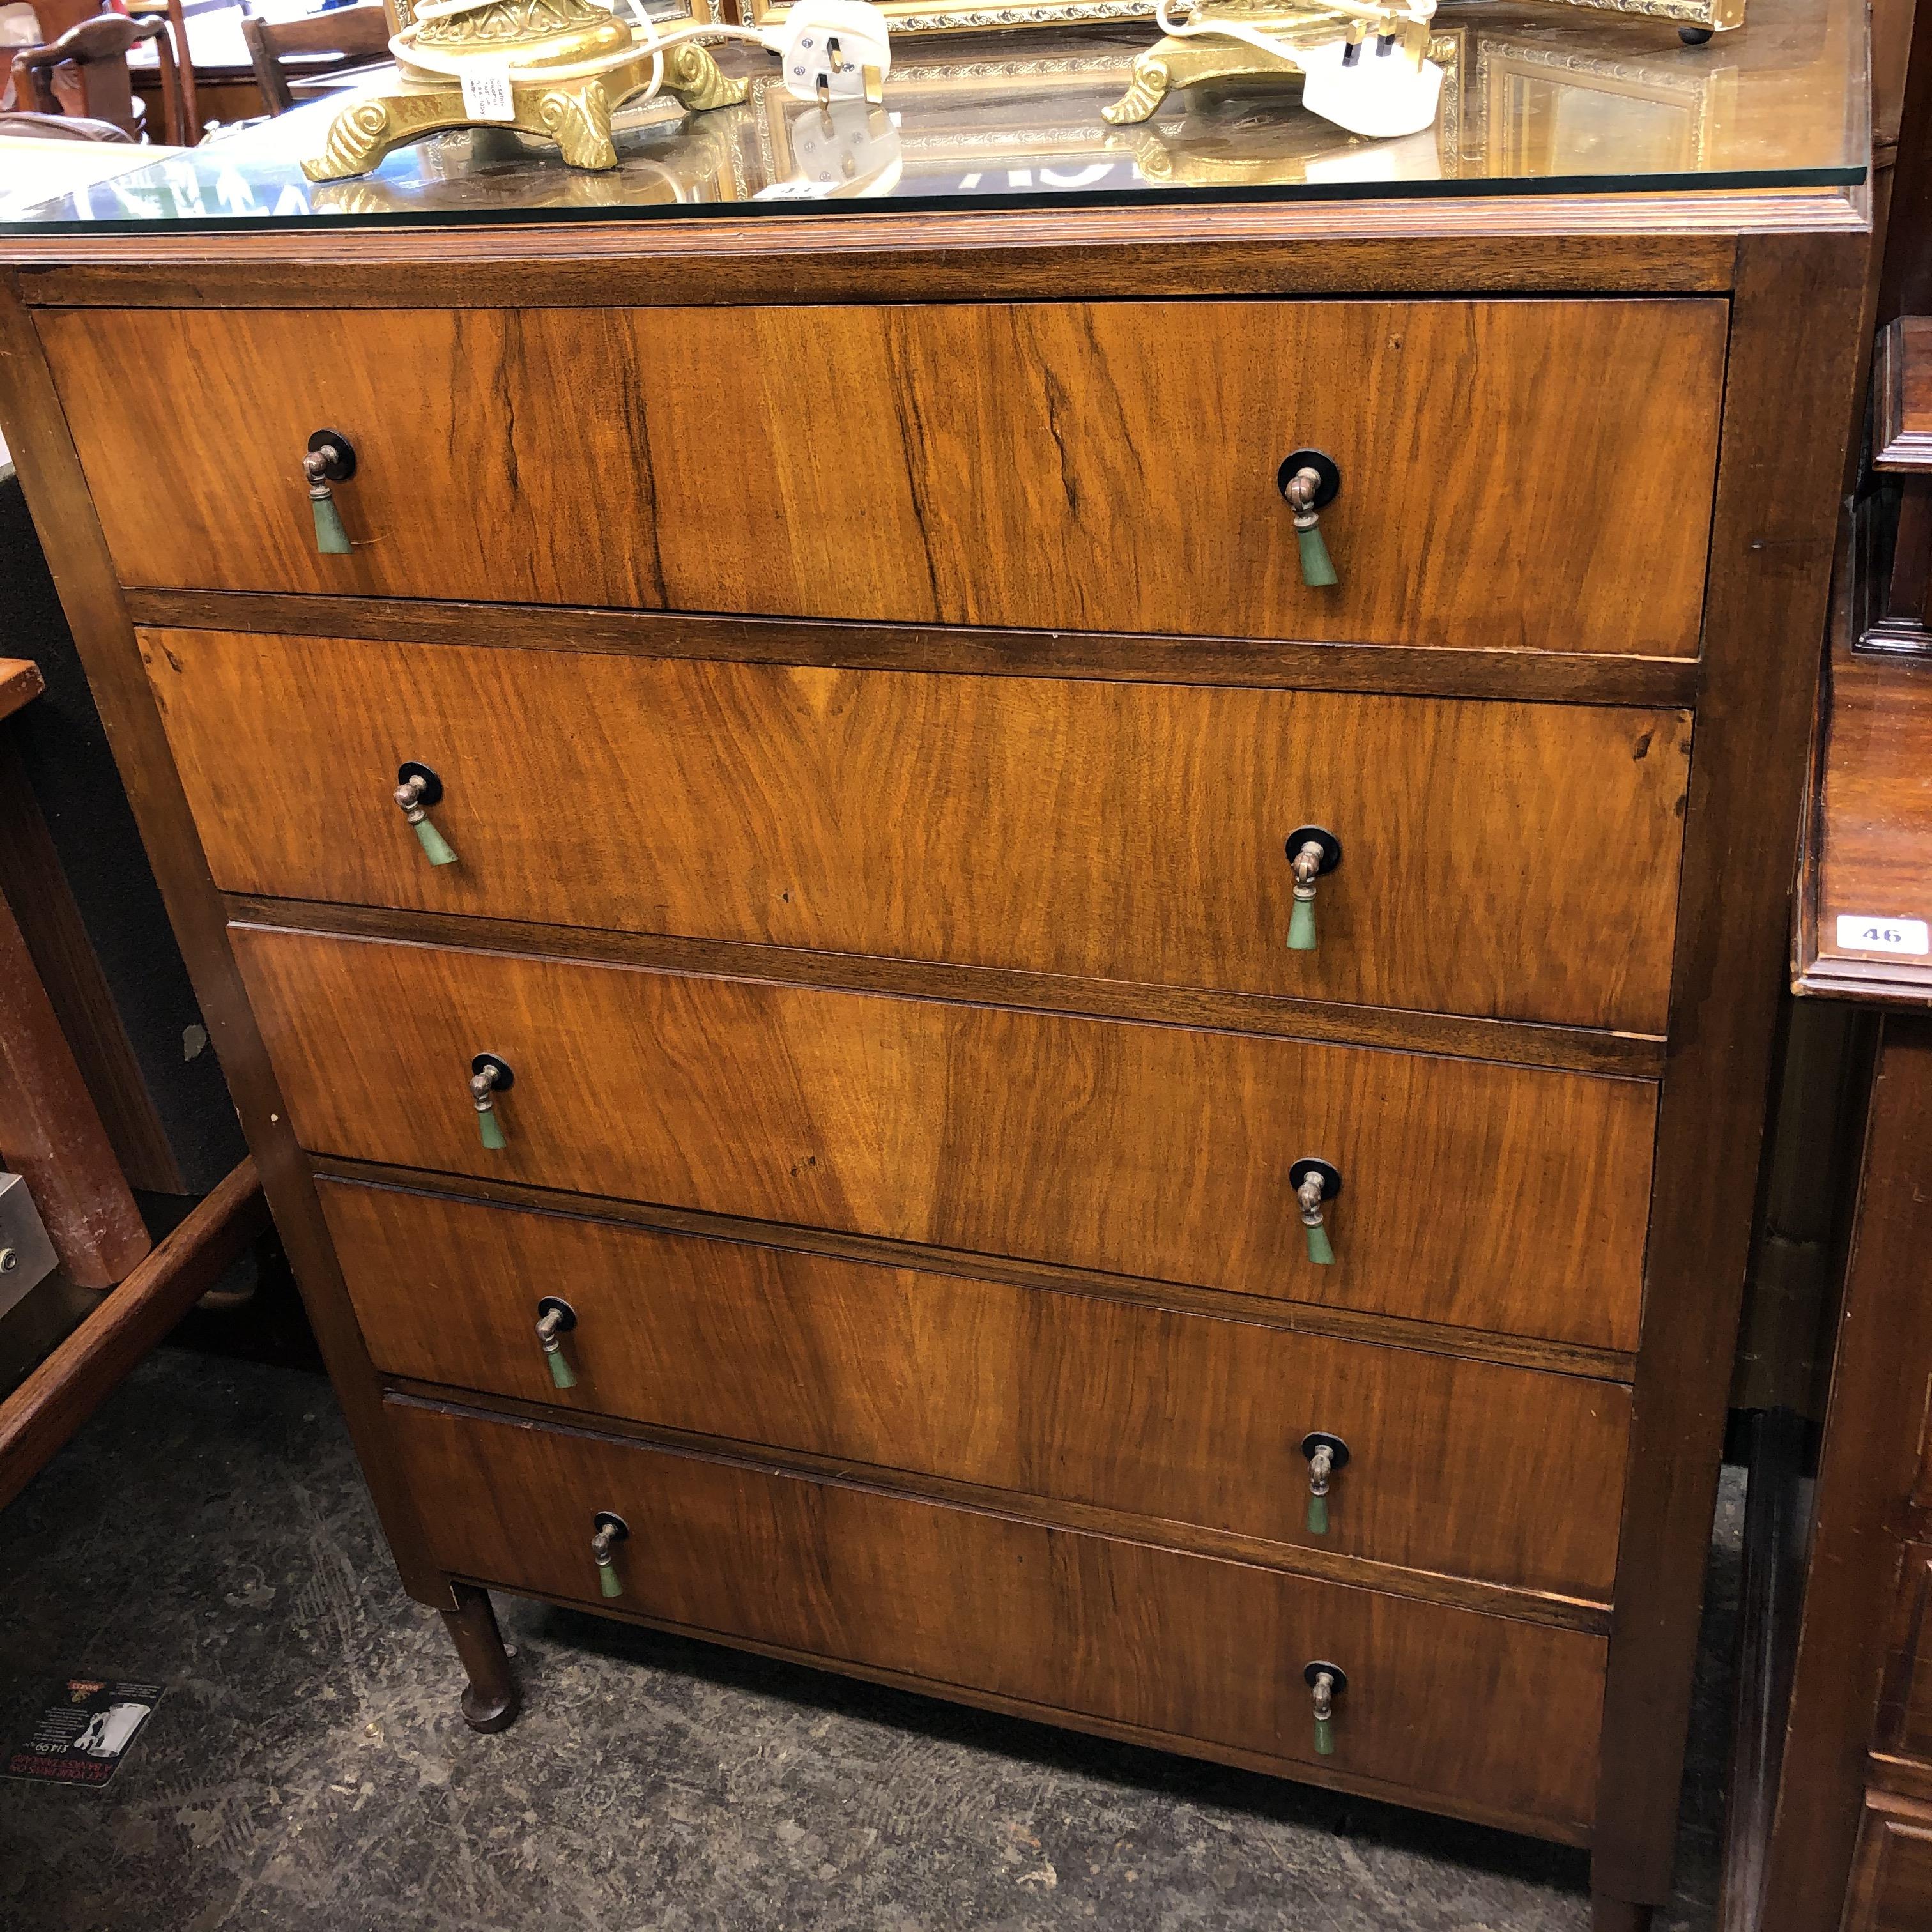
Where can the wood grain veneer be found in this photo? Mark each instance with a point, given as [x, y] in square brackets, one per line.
[1114, 831]
[1632, 242]
[1418, 670]
[1436, 1338]
[1155, 1412]
[1578, 1049]
[1168, 1641]
[1494, 1197]
[1479, 506]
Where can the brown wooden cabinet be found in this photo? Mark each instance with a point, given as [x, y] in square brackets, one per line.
[870, 805]
[1832, 1827]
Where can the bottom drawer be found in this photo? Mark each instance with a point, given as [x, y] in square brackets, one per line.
[1484, 1715]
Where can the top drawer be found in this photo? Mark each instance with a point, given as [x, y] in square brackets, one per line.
[1515, 474]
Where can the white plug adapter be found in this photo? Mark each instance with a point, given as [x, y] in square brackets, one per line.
[1370, 87]
[832, 50]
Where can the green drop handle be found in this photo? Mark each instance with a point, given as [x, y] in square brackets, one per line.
[1317, 567]
[561, 1372]
[434, 843]
[1318, 1515]
[1328, 1681]
[492, 1129]
[610, 1532]
[1319, 1250]
[1301, 927]
[330, 538]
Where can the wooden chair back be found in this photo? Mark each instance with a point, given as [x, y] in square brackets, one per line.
[354, 36]
[188, 133]
[95, 83]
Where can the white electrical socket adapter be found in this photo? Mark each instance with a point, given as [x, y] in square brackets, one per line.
[832, 49]
[1377, 94]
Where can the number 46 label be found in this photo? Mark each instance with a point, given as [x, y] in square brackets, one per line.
[1865, 932]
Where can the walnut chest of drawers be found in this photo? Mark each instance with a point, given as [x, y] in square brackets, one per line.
[856, 1017]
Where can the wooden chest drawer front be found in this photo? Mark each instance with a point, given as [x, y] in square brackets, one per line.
[1514, 473]
[1516, 860]
[1496, 1714]
[1163, 1414]
[1489, 1196]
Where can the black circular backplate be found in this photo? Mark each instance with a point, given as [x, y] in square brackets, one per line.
[432, 791]
[1331, 1177]
[342, 465]
[1323, 465]
[1331, 846]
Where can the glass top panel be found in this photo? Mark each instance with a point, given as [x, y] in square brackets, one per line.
[1536, 98]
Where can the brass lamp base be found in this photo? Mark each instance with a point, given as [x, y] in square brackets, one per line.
[560, 89]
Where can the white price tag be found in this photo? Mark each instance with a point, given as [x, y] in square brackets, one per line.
[1866, 932]
[486, 93]
[797, 190]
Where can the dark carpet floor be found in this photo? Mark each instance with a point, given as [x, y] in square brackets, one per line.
[308, 1768]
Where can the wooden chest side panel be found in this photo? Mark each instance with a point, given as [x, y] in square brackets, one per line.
[1477, 1194]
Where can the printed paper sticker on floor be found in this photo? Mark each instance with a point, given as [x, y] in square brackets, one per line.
[1866, 932]
[82, 1736]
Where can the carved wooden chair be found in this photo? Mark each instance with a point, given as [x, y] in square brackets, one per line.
[354, 36]
[95, 82]
[188, 133]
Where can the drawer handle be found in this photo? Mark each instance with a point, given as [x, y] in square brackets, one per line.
[1312, 850]
[488, 1077]
[611, 1530]
[1327, 1681]
[1326, 1455]
[330, 459]
[1310, 482]
[417, 789]
[1315, 1183]
[556, 1319]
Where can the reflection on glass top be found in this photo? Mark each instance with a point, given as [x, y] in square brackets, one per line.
[1536, 98]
